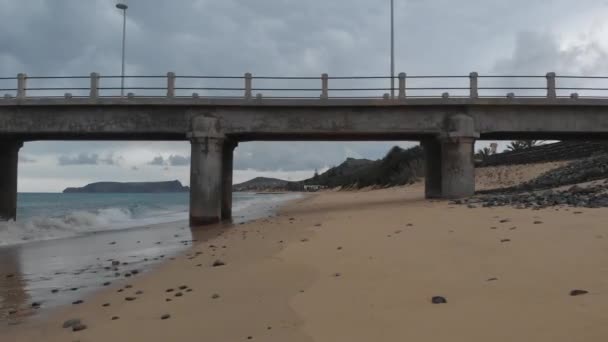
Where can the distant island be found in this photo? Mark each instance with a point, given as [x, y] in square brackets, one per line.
[136, 187]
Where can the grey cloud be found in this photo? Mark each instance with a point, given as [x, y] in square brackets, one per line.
[177, 160]
[26, 159]
[88, 159]
[157, 161]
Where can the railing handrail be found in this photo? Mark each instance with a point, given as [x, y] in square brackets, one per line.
[173, 85]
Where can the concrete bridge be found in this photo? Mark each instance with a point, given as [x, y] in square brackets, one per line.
[447, 125]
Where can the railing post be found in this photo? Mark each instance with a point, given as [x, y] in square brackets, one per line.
[170, 84]
[551, 92]
[324, 86]
[402, 77]
[248, 86]
[474, 89]
[94, 85]
[21, 86]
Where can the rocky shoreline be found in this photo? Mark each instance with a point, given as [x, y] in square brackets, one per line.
[545, 190]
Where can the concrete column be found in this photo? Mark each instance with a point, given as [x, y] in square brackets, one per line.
[402, 86]
[473, 85]
[94, 91]
[9, 158]
[457, 167]
[21, 86]
[206, 180]
[227, 170]
[248, 86]
[551, 91]
[432, 159]
[324, 86]
[170, 84]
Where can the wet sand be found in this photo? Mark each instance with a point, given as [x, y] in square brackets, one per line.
[363, 266]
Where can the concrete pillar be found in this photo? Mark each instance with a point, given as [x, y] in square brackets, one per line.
[171, 84]
[248, 86]
[227, 170]
[551, 91]
[432, 159]
[402, 85]
[457, 167]
[473, 85]
[324, 86]
[94, 91]
[9, 158]
[206, 180]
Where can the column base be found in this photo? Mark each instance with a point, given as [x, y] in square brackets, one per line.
[204, 221]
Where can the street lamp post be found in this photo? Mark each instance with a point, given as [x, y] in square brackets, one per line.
[123, 7]
[392, 49]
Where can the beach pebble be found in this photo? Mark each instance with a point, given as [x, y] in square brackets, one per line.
[215, 296]
[339, 248]
[115, 263]
[169, 290]
[183, 287]
[318, 225]
[54, 291]
[114, 318]
[130, 299]
[249, 337]
[105, 305]
[189, 290]
[179, 294]
[505, 220]
[112, 243]
[36, 305]
[218, 263]
[70, 323]
[505, 240]
[79, 327]
[9, 276]
[492, 279]
[578, 292]
[77, 302]
[439, 300]
[165, 316]
[538, 222]
[304, 240]
[337, 274]
[139, 292]
[107, 283]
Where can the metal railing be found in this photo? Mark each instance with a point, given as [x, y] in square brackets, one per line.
[248, 86]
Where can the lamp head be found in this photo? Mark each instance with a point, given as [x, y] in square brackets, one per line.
[122, 6]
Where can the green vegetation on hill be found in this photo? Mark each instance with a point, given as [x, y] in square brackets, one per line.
[398, 167]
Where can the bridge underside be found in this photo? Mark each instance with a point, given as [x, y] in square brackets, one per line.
[447, 130]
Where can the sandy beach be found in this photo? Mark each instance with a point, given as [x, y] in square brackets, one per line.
[363, 266]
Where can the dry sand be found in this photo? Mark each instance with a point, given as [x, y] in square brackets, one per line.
[494, 177]
[368, 273]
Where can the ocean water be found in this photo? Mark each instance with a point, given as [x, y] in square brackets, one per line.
[62, 246]
[47, 216]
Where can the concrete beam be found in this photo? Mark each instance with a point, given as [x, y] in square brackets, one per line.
[9, 160]
[206, 180]
[227, 171]
[433, 170]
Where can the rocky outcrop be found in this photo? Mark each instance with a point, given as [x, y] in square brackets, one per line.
[141, 187]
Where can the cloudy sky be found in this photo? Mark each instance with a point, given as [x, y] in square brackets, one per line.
[277, 37]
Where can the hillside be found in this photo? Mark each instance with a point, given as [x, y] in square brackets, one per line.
[140, 187]
[398, 167]
[262, 184]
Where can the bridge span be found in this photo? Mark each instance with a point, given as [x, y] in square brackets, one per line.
[447, 125]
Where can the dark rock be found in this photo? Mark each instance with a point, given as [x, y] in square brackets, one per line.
[169, 290]
[439, 300]
[54, 291]
[218, 263]
[183, 287]
[77, 302]
[165, 316]
[130, 299]
[114, 318]
[578, 292]
[115, 263]
[105, 305]
[505, 240]
[492, 279]
[36, 305]
[215, 296]
[139, 292]
[70, 323]
[179, 294]
[79, 327]
[538, 222]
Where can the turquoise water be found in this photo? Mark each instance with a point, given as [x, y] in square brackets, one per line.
[45, 216]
